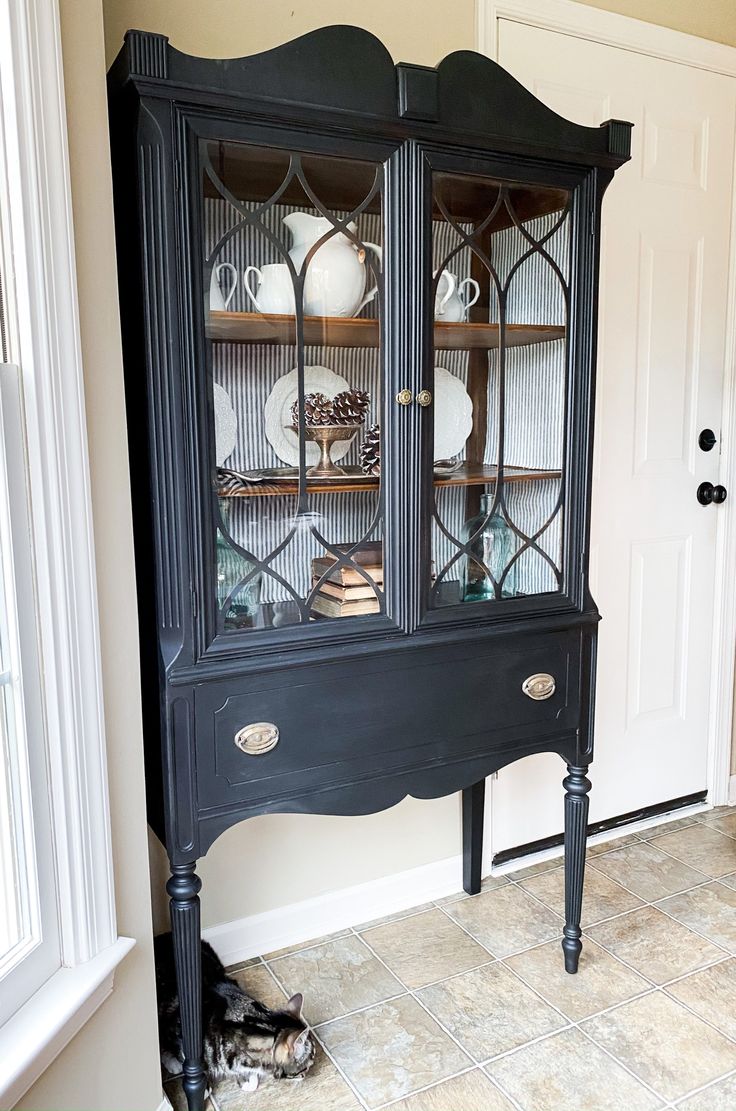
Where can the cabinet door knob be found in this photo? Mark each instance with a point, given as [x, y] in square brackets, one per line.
[424, 398]
[404, 397]
[258, 738]
[539, 686]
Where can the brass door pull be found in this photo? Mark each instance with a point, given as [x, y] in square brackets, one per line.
[404, 397]
[424, 398]
[539, 686]
[258, 738]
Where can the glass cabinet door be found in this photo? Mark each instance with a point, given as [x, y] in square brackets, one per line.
[291, 262]
[501, 270]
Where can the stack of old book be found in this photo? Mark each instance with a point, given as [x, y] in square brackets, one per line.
[345, 592]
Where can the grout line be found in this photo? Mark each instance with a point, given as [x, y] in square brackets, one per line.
[624, 1066]
[329, 1056]
[705, 1088]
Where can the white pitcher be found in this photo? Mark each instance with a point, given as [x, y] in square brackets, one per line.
[274, 292]
[452, 300]
[336, 277]
[217, 303]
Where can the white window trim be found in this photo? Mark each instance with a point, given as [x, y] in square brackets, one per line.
[43, 331]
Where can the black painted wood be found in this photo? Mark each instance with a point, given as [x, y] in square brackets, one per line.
[474, 802]
[183, 889]
[418, 702]
[577, 786]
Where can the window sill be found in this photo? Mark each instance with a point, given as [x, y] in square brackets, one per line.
[38, 1032]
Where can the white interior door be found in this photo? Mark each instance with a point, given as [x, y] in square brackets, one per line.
[663, 310]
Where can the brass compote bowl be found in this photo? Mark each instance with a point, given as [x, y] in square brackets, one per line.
[325, 435]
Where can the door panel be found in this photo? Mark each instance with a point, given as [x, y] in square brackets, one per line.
[664, 279]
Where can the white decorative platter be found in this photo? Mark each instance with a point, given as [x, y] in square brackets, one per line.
[277, 413]
[226, 424]
[453, 414]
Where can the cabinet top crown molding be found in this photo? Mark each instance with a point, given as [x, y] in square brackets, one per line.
[343, 69]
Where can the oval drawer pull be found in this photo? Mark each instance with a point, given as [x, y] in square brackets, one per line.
[539, 686]
[258, 738]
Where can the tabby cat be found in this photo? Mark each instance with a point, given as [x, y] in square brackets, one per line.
[242, 1040]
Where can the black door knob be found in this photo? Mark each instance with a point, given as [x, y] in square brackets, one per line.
[708, 493]
[707, 439]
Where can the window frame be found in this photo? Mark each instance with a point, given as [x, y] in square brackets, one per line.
[43, 339]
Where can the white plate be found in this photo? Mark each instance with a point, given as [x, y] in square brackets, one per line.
[226, 424]
[277, 413]
[453, 414]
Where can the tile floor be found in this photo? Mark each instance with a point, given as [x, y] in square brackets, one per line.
[463, 1005]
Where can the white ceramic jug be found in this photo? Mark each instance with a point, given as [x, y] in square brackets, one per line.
[275, 290]
[217, 303]
[336, 276]
[452, 301]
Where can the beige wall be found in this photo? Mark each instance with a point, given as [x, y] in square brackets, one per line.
[420, 31]
[112, 1064]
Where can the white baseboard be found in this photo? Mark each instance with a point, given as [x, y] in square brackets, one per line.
[312, 918]
[732, 791]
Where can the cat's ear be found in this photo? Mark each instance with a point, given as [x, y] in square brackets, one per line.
[295, 1004]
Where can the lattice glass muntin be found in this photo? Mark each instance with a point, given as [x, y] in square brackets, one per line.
[292, 281]
[501, 296]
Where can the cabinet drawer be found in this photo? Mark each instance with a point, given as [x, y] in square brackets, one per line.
[341, 723]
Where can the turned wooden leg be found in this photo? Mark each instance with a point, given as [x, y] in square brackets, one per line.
[474, 800]
[576, 823]
[183, 888]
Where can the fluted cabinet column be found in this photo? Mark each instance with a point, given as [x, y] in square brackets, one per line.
[577, 786]
[183, 889]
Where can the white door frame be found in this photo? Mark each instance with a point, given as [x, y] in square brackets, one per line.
[596, 25]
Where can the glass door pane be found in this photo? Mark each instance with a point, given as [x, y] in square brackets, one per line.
[292, 267]
[501, 301]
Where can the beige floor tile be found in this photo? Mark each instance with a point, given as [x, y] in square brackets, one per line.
[489, 1011]
[702, 847]
[536, 869]
[258, 982]
[304, 945]
[710, 910]
[614, 843]
[719, 1097]
[394, 917]
[323, 1089]
[425, 948]
[392, 1050]
[472, 1091]
[712, 995]
[601, 981]
[663, 1044]
[568, 1073]
[602, 898]
[714, 812]
[725, 823]
[490, 883]
[654, 945]
[336, 978]
[730, 881]
[648, 872]
[668, 827]
[506, 920]
[243, 964]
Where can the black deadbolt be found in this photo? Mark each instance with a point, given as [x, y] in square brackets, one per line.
[707, 439]
[708, 493]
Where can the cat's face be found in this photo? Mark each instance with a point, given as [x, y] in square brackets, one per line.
[294, 1049]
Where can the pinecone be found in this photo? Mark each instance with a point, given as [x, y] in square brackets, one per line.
[370, 451]
[350, 407]
[317, 410]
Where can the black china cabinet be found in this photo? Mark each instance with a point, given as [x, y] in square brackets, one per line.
[359, 320]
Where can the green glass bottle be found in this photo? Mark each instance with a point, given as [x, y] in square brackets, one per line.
[493, 545]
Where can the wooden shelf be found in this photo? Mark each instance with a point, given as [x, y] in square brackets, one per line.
[255, 174]
[343, 331]
[470, 474]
